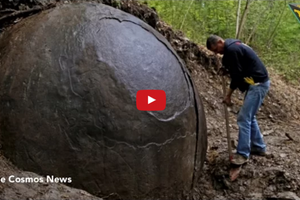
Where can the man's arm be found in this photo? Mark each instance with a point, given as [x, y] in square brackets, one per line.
[229, 93]
[234, 58]
[236, 73]
[227, 98]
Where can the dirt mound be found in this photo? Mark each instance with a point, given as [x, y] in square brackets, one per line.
[11, 190]
[279, 118]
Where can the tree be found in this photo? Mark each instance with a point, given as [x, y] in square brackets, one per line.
[256, 25]
[274, 30]
[186, 14]
[237, 18]
[246, 10]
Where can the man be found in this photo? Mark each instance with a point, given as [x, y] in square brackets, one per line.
[249, 74]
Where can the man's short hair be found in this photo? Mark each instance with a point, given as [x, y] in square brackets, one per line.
[212, 40]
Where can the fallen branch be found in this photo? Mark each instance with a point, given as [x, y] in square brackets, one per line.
[22, 13]
[7, 10]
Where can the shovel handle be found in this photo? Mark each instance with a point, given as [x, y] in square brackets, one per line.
[227, 119]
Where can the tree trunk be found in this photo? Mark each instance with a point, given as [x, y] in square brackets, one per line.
[237, 18]
[256, 25]
[173, 11]
[243, 19]
[274, 30]
[186, 14]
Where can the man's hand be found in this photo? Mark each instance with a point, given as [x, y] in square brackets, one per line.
[222, 71]
[227, 100]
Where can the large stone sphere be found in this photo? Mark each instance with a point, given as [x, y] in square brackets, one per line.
[69, 78]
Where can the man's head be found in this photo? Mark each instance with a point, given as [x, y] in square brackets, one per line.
[215, 44]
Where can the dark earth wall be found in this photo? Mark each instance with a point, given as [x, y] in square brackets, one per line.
[69, 78]
[23, 4]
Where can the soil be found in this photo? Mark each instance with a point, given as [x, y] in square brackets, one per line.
[279, 120]
[34, 191]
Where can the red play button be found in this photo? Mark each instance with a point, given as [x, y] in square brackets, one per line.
[151, 100]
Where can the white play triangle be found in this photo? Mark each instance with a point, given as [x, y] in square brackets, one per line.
[150, 100]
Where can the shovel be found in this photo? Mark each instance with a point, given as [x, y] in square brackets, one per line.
[227, 120]
[234, 171]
